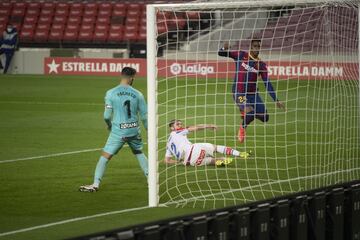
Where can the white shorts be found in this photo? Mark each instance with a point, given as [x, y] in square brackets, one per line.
[200, 154]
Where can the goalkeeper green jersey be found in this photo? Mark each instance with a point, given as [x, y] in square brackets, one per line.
[124, 107]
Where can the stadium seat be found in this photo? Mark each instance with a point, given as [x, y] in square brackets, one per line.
[120, 6]
[28, 26]
[88, 20]
[4, 19]
[105, 6]
[130, 36]
[41, 35]
[57, 27]
[131, 28]
[85, 36]
[104, 13]
[135, 6]
[116, 28]
[90, 12]
[103, 20]
[101, 27]
[118, 16]
[70, 36]
[30, 19]
[19, 5]
[91, 7]
[32, 12]
[43, 26]
[55, 35]
[62, 6]
[133, 13]
[100, 36]
[119, 13]
[133, 21]
[34, 6]
[72, 27]
[48, 6]
[6, 5]
[115, 37]
[77, 6]
[5, 12]
[62, 12]
[86, 27]
[18, 12]
[75, 12]
[47, 13]
[60, 19]
[26, 35]
[142, 36]
[74, 20]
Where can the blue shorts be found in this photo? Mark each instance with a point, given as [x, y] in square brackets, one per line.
[116, 142]
[250, 100]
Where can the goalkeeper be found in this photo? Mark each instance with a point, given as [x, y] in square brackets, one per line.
[245, 93]
[198, 154]
[123, 104]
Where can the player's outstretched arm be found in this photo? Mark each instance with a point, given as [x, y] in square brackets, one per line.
[226, 52]
[269, 86]
[201, 127]
[169, 160]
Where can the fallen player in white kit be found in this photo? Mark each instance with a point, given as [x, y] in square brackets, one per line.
[197, 154]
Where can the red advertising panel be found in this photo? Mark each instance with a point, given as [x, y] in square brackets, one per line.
[92, 66]
[211, 69]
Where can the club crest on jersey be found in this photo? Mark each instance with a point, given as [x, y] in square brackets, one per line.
[249, 68]
[108, 106]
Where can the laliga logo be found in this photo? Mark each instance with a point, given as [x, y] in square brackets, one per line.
[177, 68]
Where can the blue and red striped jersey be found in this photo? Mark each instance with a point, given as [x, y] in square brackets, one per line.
[247, 71]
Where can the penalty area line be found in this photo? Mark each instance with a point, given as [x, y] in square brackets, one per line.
[72, 220]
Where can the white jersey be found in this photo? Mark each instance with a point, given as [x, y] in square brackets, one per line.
[178, 144]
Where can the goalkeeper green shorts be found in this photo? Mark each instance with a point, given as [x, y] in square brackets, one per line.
[116, 142]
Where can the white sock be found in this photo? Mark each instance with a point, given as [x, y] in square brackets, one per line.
[227, 151]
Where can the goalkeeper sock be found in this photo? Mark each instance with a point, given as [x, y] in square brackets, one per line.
[143, 163]
[248, 118]
[227, 151]
[99, 170]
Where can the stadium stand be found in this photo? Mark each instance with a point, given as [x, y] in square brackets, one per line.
[296, 30]
[84, 23]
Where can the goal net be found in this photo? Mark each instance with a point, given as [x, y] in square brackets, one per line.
[311, 52]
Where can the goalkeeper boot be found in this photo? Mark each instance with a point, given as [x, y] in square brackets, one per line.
[88, 188]
[223, 162]
[241, 134]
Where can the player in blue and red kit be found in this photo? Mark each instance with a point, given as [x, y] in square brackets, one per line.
[244, 89]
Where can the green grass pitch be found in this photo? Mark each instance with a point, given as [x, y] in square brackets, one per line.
[49, 115]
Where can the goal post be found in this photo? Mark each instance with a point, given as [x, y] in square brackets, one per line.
[151, 41]
[311, 49]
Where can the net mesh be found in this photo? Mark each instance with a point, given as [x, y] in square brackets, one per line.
[311, 51]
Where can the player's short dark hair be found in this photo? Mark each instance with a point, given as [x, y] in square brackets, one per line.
[255, 40]
[128, 72]
[172, 122]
